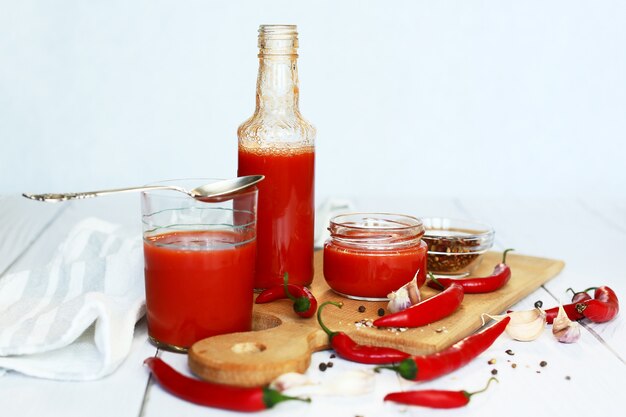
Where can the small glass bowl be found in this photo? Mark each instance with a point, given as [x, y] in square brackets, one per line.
[455, 247]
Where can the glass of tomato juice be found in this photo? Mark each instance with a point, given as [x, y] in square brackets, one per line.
[199, 264]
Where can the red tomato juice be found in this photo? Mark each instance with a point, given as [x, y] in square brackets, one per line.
[285, 213]
[372, 274]
[195, 293]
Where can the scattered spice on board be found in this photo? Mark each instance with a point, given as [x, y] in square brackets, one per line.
[364, 323]
[323, 366]
[543, 364]
[513, 365]
[491, 361]
[567, 378]
[333, 356]
[509, 352]
[329, 364]
[361, 309]
[494, 371]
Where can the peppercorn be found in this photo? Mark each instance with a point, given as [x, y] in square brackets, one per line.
[329, 364]
[333, 356]
[513, 365]
[538, 304]
[494, 372]
[543, 363]
[567, 378]
[381, 312]
[361, 309]
[322, 366]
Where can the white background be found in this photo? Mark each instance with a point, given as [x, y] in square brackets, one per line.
[430, 98]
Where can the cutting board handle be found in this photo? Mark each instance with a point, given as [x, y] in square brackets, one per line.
[256, 358]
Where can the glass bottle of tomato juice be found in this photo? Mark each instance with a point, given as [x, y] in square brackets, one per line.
[277, 142]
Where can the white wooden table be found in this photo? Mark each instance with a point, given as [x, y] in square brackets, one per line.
[583, 378]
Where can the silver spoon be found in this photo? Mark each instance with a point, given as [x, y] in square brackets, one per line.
[216, 189]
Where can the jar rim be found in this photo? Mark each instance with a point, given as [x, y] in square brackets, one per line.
[472, 229]
[392, 221]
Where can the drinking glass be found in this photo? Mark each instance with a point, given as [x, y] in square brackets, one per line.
[199, 264]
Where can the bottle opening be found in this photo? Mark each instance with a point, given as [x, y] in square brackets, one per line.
[278, 39]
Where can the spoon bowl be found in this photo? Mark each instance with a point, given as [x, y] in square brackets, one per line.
[218, 189]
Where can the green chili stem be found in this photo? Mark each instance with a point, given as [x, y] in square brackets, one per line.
[587, 290]
[271, 397]
[285, 282]
[469, 394]
[329, 332]
[504, 255]
[434, 279]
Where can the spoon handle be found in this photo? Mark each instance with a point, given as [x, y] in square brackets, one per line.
[55, 197]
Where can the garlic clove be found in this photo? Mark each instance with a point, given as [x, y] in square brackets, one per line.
[405, 296]
[290, 380]
[353, 382]
[526, 325]
[563, 329]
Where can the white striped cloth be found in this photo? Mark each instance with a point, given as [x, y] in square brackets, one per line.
[74, 319]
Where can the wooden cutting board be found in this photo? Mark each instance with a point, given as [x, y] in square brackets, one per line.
[283, 342]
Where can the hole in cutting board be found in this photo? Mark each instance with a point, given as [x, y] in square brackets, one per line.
[248, 347]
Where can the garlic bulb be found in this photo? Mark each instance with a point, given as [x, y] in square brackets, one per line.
[526, 325]
[405, 296]
[565, 330]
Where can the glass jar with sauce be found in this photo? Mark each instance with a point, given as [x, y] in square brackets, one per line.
[279, 143]
[368, 255]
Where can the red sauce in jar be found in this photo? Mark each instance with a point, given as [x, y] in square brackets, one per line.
[285, 216]
[370, 255]
[192, 294]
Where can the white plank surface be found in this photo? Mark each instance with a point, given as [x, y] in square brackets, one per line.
[21, 223]
[566, 230]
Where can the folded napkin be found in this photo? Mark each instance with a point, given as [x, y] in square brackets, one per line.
[74, 318]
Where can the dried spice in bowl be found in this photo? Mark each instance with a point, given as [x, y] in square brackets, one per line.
[455, 247]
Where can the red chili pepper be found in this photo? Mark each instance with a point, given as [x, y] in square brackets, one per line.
[500, 276]
[426, 312]
[304, 302]
[578, 297]
[602, 308]
[425, 367]
[348, 349]
[214, 395]
[570, 310]
[435, 398]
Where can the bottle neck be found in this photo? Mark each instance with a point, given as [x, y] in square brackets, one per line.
[277, 84]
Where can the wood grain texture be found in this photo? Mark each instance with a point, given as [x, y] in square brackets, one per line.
[283, 342]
